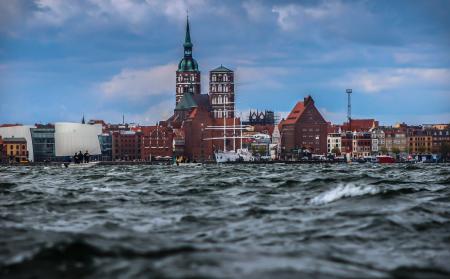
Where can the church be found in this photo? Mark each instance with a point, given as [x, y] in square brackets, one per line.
[195, 113]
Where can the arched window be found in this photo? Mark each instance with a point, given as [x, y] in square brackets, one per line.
[213, 77]
[225, 77]
[225, 99]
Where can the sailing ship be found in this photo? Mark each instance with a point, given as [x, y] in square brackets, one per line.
[233, 155]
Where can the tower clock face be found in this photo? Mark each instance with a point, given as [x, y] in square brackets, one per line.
[188, 52]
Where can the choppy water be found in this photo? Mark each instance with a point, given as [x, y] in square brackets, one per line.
[242, 221]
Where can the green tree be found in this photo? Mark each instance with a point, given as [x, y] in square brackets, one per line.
[262, 150]
[336, 151]
[444, 151]
[396, 150]
[383, 150]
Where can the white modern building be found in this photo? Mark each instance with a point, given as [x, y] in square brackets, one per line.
[74, 137]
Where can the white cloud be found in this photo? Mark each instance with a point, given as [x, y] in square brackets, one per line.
[293, 16]
[136, 83]
[55, 12]
[153, 114]
[134, 14]
[158, 112]
[260, 76]
[394, 78]
[254, 9]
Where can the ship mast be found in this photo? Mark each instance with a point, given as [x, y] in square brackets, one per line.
[224, 127]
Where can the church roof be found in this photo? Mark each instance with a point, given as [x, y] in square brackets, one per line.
[221, 69]
[186, 102]
[188, 64]
[202, 101]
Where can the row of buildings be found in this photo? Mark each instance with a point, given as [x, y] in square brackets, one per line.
[368, 138]
[202, 124]
[303, 130]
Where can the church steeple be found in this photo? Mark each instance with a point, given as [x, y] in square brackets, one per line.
[188, 63]
[187, 41]
[188, 75]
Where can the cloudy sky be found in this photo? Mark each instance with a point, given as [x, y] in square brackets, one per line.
[104, 58]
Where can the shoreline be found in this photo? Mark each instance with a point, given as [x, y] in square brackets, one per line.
[169, 163]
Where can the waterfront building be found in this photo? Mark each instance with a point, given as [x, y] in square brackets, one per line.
[347, 144]
[71, 138]
[360, 125]
[262, 118]
[303, 129]
[362, 144]
[188, 74]
[19, 131]
[126, 145]
[105, 140]
[43, 138]
[378, 141]
[420, 141]
[334, 143]
[2, 151]
[16, 149]
[157, 141]
[221, 92]
[261, 122]
[395, 140]
[440, 137]
[436, 126]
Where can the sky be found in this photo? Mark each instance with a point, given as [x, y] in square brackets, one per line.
[60, 60]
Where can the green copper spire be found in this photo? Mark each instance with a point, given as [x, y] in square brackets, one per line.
[187, 63]
[187, 38]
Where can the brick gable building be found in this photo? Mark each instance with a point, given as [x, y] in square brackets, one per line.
[304, 128]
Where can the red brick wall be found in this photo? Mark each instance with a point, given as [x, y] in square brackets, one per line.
[156, 141]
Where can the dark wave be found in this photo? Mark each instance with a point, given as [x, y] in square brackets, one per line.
[413, 272]
[231, 221]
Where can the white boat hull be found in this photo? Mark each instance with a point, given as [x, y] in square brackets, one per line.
[232, 156]
[227, 156]
[82, 165]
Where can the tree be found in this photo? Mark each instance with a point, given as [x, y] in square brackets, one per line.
[396, 150]
[444, 151]
[383, 150]
[262, 150]
[336, 151]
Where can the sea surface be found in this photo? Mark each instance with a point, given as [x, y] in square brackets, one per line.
[230, 221]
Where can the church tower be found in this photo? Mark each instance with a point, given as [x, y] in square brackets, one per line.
[188, 75]
[221, 92]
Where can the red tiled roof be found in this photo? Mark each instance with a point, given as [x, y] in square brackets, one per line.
[361, 124]
[295, 114]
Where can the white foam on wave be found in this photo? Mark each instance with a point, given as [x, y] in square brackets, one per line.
[344, 191]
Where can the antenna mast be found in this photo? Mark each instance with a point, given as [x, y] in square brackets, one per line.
[349, 108]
